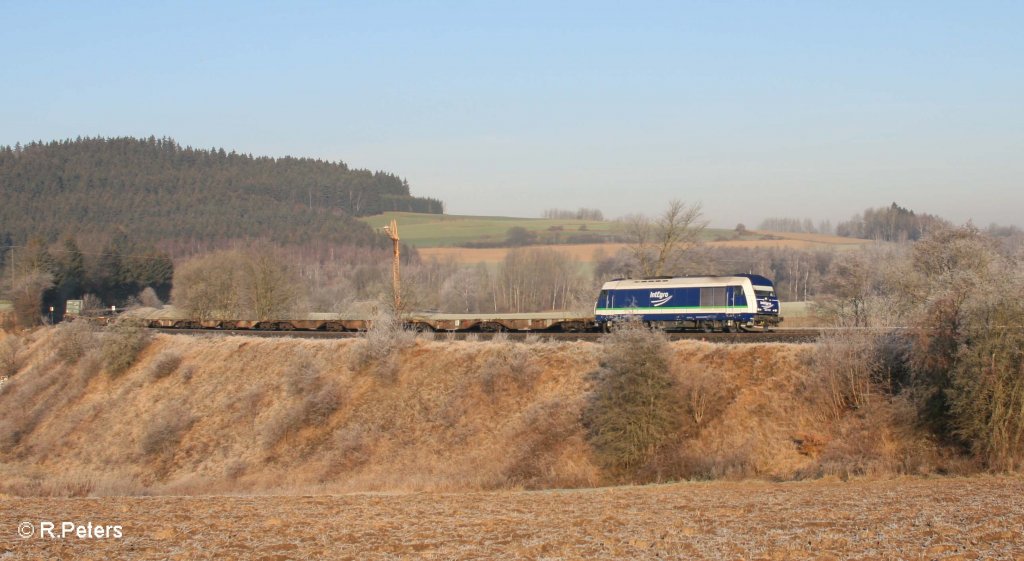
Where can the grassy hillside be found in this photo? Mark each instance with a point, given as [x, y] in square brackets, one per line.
[444, 230]
[449, 231]
[225, 414]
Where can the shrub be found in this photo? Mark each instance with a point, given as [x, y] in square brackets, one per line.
[164, 365]
[89, 366]
[235, 469]
[968, 372]
[319, 407]
[844, 364]
[318, 400]
[166, 430]
[122, 344]
[986, 393]
[11, 434]
[512, 368]
[705, 396]
[634, 409]
[353, 447]
[26, 292]
[385, 336]
[302, 377]
[149, 299]
[74, 339]
[10, 361]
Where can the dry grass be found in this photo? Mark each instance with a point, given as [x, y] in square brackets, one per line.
[164, 365]
[270, 415]
[165, 430]
[10, 356]
[461, 418]
[953, 519]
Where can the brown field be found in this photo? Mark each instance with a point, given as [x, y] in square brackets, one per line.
[906, 518]
[588, 253]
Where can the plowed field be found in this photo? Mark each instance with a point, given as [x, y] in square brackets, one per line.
[974, 518]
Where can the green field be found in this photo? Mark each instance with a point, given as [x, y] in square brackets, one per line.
[445, 230]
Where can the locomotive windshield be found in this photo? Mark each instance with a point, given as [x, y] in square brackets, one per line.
[765, 293]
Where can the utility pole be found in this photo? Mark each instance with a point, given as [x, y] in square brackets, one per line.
[392, 231]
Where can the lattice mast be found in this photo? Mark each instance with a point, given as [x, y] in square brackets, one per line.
[392, 231]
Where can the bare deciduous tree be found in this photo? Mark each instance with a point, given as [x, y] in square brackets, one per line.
[252, 284]
[209, 286]
[659, 246]
[272, 289]
[26, 292]
[532, 280]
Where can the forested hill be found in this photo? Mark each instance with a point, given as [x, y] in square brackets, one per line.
[156, 190]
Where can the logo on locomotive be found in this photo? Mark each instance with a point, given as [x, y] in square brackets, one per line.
[659, 298]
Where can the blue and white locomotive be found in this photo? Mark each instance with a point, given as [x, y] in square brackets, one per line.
[738, 302]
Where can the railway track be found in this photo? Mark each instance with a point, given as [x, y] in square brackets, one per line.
[778, 336]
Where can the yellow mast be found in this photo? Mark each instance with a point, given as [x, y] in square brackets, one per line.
[392, 231]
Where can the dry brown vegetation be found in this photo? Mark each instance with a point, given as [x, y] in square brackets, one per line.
[233, 414]
[467, 428]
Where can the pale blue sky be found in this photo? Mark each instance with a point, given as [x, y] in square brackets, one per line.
[756, 109]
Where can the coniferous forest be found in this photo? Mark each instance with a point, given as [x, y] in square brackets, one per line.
[157, 191]
[108, 216]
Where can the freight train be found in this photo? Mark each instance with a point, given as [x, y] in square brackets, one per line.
[733, 303]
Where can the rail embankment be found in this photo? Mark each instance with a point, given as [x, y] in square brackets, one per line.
[100, 413]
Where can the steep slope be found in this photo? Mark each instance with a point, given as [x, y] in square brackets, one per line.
[224, 414]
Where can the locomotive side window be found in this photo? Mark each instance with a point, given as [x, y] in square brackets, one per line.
[712, 296]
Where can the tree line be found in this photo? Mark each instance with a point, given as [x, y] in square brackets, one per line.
[581, 213]
[796, 225]
[38, 277]
[892, 224]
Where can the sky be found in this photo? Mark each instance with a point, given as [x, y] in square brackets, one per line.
[814, 109]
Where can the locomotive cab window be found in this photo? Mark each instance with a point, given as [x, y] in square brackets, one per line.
[738, 297]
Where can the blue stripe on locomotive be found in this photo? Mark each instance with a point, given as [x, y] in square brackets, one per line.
[667, 297]
[672, 304]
